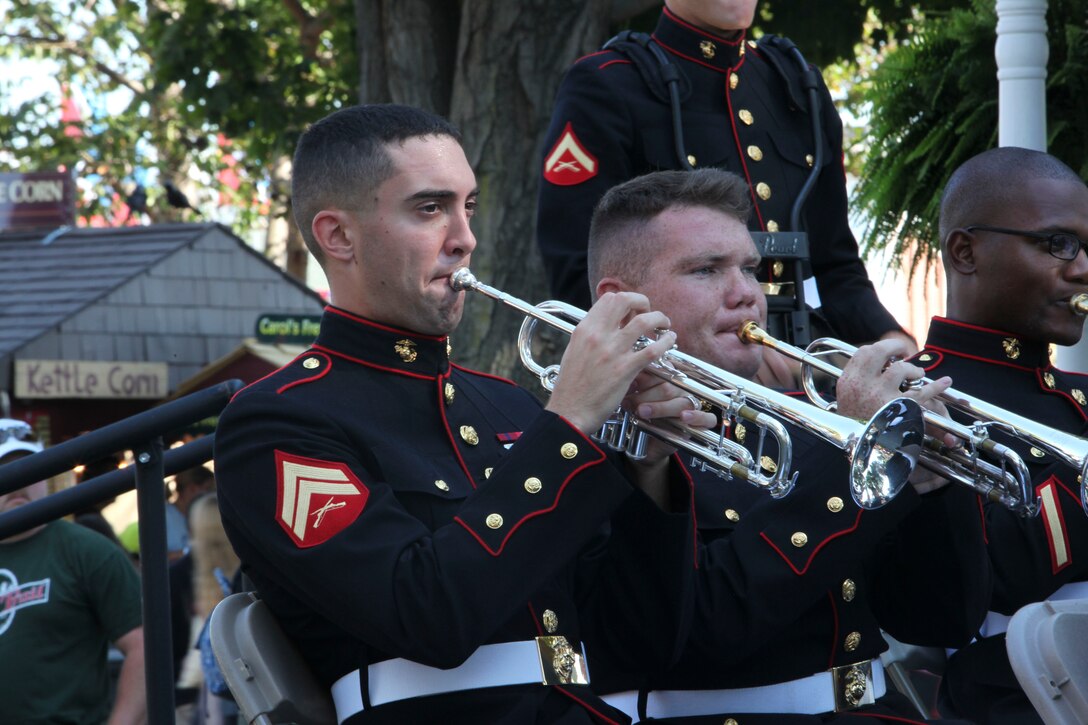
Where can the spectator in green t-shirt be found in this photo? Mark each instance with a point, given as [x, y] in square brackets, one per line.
[65, 594]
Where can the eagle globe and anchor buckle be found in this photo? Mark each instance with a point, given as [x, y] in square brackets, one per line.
[853, 685]
[560, 664]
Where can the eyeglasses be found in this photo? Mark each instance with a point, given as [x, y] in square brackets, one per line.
[1062, 245]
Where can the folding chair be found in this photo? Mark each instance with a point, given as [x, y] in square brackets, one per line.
[266, 674]
[1046, 645]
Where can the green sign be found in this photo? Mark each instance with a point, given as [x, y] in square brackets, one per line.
[288, 329]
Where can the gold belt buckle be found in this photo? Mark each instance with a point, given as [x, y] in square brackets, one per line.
[853, 685]
[559, 663]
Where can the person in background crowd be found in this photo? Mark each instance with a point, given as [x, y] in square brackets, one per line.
[189, 485]
[1013, 226]
[793, 592]
[65, 594]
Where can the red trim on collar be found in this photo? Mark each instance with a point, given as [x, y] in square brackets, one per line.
[696, 61]
[954, 353]
[378, 325]
[265, 377]
[680, 21]
[969, 326]
[365, 363]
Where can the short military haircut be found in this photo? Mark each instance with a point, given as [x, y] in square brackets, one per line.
[988, 183]
[343, 158]
[618, 243]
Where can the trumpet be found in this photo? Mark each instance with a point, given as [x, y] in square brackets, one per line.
[885, 448]
[990, 468]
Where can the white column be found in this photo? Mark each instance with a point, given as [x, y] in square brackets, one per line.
[1021, 53]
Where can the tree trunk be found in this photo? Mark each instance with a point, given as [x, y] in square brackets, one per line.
[506, 64]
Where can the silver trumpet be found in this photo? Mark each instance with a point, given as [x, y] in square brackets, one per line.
[882, 451]
[990, 468]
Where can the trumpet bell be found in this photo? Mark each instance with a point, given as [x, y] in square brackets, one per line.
[886, 453]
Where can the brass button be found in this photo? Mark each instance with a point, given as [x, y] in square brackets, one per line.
[449, 393]
[449, 348]
[746, 116]
[1037, 453]
[1011, 346]
[487, 472]
[469, 435]
[533, 485]
[732, 515]
[1049, 380]
[799, 539]
[740, 52]
[441, 485]
[310, 363]
[849, 589]
[551, 621]
[755, 153]
[810, 159]
[925, 357]
[772, 225]
[568, 451]
[734, 80]
[767, 464]
[763, 191]
[493, 521]
[752, 44]
[1078, 396]
[707, 48]
[729, 721]
[834, 504]
[739, 432]
[778, 268]
[852, 641]
[691, 160]
[406, 349]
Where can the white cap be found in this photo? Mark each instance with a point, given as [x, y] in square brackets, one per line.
[17, 435]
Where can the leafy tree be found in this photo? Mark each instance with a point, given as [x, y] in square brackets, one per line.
[934, 105]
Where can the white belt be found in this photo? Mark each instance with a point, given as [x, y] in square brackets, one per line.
[543, 661]
[999, 623]
[810, 695]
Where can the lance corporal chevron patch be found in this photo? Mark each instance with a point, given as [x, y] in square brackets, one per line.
[568, 163]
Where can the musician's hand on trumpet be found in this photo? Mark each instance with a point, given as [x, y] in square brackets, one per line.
[604, 356]
[877, 374]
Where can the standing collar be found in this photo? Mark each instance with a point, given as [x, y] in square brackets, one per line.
[699, 46]
[984, 343]
[346, 335]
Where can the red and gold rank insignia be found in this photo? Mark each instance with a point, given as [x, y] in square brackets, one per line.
[315, 500]
[568, 163]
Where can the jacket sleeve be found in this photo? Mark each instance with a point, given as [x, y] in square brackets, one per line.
[847, 296]
[1033, 557]
[933, 577]
[428, 591]
[588, 112]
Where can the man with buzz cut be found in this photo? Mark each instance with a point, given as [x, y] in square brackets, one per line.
[792, 593]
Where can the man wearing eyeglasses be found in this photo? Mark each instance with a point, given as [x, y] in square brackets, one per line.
[1012, 225]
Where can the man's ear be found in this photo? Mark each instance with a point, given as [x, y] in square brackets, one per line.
[611, 284]
[333, 230]
[959, 251]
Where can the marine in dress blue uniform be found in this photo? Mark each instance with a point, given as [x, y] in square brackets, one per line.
[744, 110]
[1033, 558]
[390, 504]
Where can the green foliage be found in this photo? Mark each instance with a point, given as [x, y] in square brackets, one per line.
[934, 105]
[165, 82]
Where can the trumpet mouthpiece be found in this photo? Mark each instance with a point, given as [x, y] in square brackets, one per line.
[751, 332]
[1079, 303]
[462, 279]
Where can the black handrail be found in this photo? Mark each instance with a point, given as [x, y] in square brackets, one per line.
[143, 434]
